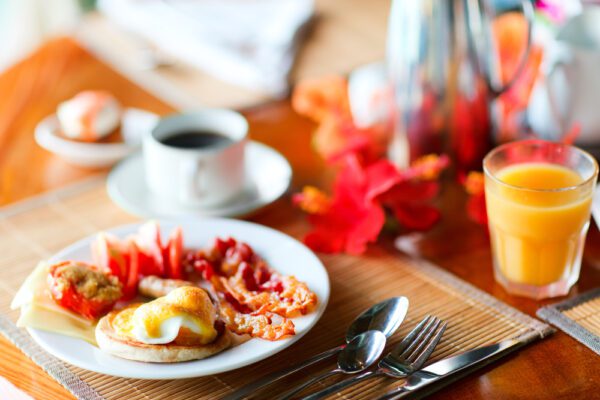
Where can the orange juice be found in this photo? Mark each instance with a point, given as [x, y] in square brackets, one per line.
[537, 230]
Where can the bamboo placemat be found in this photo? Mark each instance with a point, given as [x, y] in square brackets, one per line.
[578, 317]
[37, 228]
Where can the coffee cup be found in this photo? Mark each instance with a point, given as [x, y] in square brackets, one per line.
[197, 158]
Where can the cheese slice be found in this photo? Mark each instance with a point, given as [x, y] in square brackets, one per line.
[34, 316]
[40, 311]
[34, 283]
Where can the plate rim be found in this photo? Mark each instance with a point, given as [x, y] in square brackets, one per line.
[47, 126]
[244, 210]
[318, 313]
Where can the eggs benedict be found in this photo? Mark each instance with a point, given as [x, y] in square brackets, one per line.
[180, 326]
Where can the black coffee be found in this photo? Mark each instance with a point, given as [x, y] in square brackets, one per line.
[197, 140]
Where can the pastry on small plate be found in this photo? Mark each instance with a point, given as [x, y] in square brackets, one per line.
[92, 130]
[89, 116]
[181, 326]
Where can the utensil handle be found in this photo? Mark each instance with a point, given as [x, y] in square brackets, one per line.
[310, 382]
[528, 12]
[342, 385]
[397, 393]
[275, 376]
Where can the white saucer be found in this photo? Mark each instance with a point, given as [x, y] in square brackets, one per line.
[268, 176]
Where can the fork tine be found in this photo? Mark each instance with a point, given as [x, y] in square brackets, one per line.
[421, 339]
[420, 360]
[408, 340]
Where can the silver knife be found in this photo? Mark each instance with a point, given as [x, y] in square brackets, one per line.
[439, 374]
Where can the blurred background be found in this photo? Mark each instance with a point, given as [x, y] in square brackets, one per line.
[239, 53]
[213, 52]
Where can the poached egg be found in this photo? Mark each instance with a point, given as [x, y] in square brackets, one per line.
[185, 316]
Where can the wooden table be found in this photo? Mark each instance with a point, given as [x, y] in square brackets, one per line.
[557, 367]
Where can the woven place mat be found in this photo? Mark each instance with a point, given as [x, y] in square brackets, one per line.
[37, 228]
[578, 317]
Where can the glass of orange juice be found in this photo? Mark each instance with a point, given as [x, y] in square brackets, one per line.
[538, 198]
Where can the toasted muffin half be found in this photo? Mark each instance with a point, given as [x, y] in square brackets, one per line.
[124, 347]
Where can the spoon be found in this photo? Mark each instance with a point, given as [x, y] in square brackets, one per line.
[358, 355]
[385, 317]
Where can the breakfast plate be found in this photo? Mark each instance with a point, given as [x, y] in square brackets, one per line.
[283, 253]
[268, 176]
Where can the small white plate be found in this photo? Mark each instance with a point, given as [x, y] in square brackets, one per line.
[268, 176]
[134, 123]
[283, 253]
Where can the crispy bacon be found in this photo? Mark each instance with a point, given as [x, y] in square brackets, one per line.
[249, 291]
[292, 300]
[298, 299]
[260, 326]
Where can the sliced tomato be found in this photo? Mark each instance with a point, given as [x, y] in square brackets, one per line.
[175, 253]
[67, 293]
[148, 241]
[148, 265]
[221, 246]
[133, 275]
[110, 256]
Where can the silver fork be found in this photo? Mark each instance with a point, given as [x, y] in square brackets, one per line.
[408, 356]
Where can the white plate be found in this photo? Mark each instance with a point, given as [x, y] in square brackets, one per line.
[283, 253]
[268, 176]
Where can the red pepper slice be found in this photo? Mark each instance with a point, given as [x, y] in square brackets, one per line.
[175, 253]
[110, 256]
[149, 244]
[133, 275]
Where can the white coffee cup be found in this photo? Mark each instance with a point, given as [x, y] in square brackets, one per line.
[568, 92]
[197, 176]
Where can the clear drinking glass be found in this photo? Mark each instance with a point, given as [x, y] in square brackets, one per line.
[539, 198]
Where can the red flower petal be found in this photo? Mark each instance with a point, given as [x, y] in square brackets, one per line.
[322, 242]
[365, 230]
[411, 192]
[417, 216]
[345, 228]
[354, 146]
[476, 209]
[381, 176]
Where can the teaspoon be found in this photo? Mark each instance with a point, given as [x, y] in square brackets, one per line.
[358, 355]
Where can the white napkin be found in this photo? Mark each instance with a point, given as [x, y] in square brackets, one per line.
[251, 43]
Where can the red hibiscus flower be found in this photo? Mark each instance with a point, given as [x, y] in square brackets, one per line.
[355, 214]
[353, 217]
